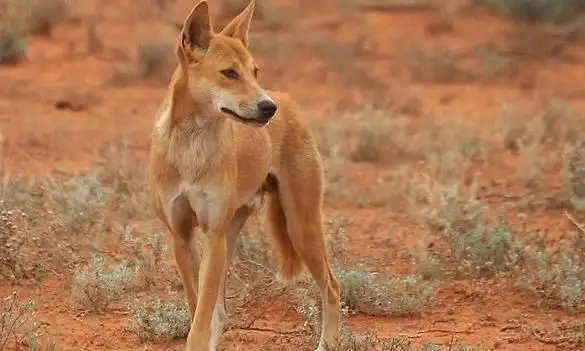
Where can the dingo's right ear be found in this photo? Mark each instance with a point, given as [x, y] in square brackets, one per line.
[196, 34]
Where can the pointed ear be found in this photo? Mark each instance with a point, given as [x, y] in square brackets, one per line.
[239, 26]
[197, 31]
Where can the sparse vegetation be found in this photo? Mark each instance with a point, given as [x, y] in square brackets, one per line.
[553, 124]
[12, 31]
[374, 136]
[370, 293]
[573, 175]
[437, 67]
[438, 197]
[535, 10]
[44, 14]
[80, 201]
[12, 47]
[149, 256]
[558, 275]
[18, 324]
[307, 308]
[252, 276]
[478, 246]
[17, 18]
[373, 294]
[154, 59]
[448, 146]
[97, 284]
[160, 320]
[12, 260]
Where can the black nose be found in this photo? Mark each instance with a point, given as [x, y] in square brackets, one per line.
[267, 108]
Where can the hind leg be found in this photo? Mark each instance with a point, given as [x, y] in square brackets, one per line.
[309, 243]
[301, 197]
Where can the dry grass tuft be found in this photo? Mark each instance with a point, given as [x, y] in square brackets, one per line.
[13, 261]
[44, 14]
[80, 202]
[12, 31]
[97, 284]
[375, 135]
[363, 291]
[19, 326]
[149, 255]
[155, 59]
[557, 275]
[478, 245]
[12, 47]
[17, 18]
[535, 10]
[307, 308]
[160, 320]
[376, 295]
[573, 176]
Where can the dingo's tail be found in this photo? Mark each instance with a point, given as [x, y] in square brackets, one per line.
[290, 263]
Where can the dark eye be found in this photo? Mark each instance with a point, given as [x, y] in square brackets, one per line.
[230, 73]
[256, 72]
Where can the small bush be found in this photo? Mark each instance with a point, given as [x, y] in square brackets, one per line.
[307, 308]
[573, 176]
[478, 246]
[365, 292]
[79, 202]
[448, 145]
[440, 66]
[366, 342]
[13, 262]
[157, 320]
[332, 142]
[252, 260]
[18, 323]
[370, 293]
[97, 285]
[149, 256]
[331, 139]
[375, 135]
[154, 59]
[130, 198]
[12, 47]
[558, 276]
[44, 14]
[447, 205]
[554, 124]
[534, 10]
[484, 251]
[13, 14]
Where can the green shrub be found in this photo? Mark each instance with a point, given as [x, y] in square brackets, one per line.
[12, 47]
[158, 320]
[535, 10]
[97, 284]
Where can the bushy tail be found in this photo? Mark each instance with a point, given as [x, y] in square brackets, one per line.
[290, 263]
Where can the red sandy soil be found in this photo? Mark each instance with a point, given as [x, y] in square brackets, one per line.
[117, 111]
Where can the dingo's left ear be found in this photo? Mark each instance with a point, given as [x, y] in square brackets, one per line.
[239, 26]
[197, 31]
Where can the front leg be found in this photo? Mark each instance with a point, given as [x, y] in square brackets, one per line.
[206, 325]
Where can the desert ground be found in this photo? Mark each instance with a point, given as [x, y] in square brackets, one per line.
[452, 138]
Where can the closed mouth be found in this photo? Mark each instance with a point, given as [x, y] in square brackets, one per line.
[242, 119]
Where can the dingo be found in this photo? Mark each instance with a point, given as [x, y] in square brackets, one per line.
[220, 143]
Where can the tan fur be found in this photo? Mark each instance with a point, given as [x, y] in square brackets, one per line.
[215, 152]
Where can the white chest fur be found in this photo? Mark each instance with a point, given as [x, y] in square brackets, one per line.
[208, 202]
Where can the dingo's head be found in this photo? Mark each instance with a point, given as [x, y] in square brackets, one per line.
[219, 69]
